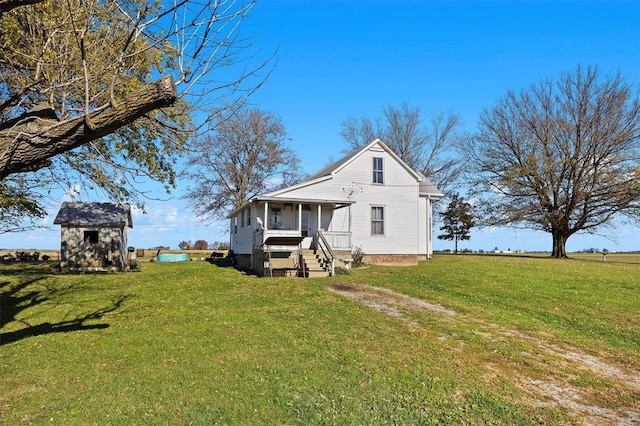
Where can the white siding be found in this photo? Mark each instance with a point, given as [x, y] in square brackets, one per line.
[422, 225]
[340, 220]
[398, 195]
[242, 240]
[407, 215]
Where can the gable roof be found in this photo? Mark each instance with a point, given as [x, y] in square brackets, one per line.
[331, 168]
[106, 214]
[338, 165]
[425, 186]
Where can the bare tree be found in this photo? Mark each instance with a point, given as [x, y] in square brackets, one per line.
[244, 156]
[427, 149]
[562, 157]
[76, 83]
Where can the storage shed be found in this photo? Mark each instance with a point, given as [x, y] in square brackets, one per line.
[93, 235]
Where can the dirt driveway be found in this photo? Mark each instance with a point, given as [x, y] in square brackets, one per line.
[553, 391]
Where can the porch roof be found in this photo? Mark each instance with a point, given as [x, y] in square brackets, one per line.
[295, 200]
[283, 241]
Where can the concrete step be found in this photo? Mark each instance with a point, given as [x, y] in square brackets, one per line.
[316, 274]
[316, 265]
[315, 261]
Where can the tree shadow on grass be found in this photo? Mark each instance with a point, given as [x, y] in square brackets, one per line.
[18, 297]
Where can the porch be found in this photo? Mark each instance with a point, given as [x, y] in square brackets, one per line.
[268, 226]
[336, 240]
[303, 217]
[282, 254]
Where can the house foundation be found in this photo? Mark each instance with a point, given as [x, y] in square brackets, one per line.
[243, 261]
[392, 259]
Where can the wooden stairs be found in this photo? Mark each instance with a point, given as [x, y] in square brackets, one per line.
[307, 264]
[313, 264]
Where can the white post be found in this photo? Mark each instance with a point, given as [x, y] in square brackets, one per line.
[266, 215]
[429, 228]
[319, 216]
[300, 218]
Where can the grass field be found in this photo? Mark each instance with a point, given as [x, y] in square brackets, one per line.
[502, 340]
[595, 257]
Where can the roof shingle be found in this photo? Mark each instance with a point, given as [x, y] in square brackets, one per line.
[106, 214]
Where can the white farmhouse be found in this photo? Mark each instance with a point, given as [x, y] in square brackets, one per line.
[369, 200]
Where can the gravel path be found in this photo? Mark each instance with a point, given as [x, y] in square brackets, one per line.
[400, 306]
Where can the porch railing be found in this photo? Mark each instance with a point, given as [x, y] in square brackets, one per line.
[338, 240]
[324, 245]
[260, 236]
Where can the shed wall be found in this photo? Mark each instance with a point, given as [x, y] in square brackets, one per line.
[78, 252]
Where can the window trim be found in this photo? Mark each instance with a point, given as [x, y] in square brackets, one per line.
[377, 174]
[276, 213]
[375, 207]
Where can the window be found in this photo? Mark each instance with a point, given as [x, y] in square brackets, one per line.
[235, 225]
[249, 217]
[91, 237]
[276, 217]
[377, 220]
[377, 171]
[242, 219]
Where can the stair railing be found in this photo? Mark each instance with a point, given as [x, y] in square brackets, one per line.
[302, 265]
[324, 245]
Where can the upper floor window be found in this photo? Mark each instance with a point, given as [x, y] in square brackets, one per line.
[377, 171]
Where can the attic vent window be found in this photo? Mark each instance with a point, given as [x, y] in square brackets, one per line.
[91, 237]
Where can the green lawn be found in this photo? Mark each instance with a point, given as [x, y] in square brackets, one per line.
[193, 343]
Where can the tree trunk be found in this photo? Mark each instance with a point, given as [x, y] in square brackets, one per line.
[559, 243]
[7, 5]
[29, 141]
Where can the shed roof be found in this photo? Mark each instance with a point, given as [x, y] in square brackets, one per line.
[105, 214]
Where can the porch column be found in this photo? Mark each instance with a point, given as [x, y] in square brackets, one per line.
[319, 216]
[266, 215]
[429, 228]
[300, 218]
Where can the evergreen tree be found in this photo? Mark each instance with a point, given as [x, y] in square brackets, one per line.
[458, 220]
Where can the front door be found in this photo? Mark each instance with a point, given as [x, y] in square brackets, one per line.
[304, 226]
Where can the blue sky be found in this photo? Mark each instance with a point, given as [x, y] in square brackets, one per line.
[346, 58]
